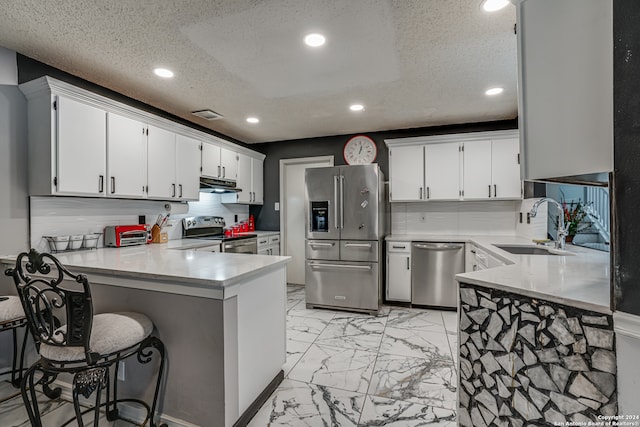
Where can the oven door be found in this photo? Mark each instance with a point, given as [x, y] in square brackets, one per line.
[244, 246]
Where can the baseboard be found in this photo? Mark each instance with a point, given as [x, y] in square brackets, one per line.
[626, 324]
[255, 406]
[129, 411]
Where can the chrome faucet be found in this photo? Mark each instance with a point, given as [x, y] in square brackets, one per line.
[562, 231]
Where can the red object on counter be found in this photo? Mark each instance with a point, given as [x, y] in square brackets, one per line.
[245, 226]
[228, 232]
[252, 224]
[236, 229]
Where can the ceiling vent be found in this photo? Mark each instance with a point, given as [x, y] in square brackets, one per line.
[207, 114]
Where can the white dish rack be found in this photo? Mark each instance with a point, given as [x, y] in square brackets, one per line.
[73, 242]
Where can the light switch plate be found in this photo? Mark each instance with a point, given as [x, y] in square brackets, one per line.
[276, 206]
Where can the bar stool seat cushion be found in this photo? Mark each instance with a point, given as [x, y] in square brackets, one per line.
[110, 333]
[10, 309]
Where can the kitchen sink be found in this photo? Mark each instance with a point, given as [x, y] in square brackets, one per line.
[532, 250]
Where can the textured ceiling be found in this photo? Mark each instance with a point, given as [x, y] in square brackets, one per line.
[411, 63]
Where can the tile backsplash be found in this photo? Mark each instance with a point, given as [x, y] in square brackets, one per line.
[479, 218]
[55, 216]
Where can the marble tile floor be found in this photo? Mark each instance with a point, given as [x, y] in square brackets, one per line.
[342, 369]
[348, 369]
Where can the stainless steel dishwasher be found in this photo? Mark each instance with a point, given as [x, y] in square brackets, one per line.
[433, 270]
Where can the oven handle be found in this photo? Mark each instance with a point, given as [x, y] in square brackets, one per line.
[357, 245]
[357, 267]
[249, 242]
[312, 244]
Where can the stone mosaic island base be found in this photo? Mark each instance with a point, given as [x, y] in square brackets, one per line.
[526, 361]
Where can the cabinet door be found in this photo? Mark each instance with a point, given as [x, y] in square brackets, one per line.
[187, 168]
[399, 276]
[442, 171]
[244, 180]
[505, 168]
[477, 170]
[161, 171]
[257, 185]
[127, 157]
[211, 161]
[81, 148]
[406, 173]
[229, 164]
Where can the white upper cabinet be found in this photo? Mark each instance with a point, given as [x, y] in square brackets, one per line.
[257, 181]
[442, 171]
[250, 181]
[81, 148]
[406, 173]
[83, 144]
[219, 162]
[477, 170]
[565, 86]
[472, 166]
[505, 168]
[126, 157]
[187, 168]
[161, 149]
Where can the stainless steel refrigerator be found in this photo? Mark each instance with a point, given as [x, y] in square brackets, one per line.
[345, 226]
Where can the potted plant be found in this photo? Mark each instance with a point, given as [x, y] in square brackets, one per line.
[574, 217]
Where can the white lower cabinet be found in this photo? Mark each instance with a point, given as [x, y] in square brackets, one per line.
[399, 271]
[269, 245]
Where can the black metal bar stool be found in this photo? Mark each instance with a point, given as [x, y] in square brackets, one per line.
[12, 318]
[71, 339]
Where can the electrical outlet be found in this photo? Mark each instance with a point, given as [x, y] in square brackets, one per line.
[276, 206]
[121, 376]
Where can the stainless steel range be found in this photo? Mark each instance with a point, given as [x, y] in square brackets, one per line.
[212, 228]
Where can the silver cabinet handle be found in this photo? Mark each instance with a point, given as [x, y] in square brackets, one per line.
[218, 171]
[224, 172]
[180, 187]
[348, 266]
[262, 241]
[399, 247]
[420, 193]
[101, 184]
[489, 190]
[358, 245]
[428, 193]
[495, 190]
[408, 263]
[174, 190]
[321, 244]
[113, 184]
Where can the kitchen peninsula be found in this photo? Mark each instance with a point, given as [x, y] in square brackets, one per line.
[221, 317]
[536, 341]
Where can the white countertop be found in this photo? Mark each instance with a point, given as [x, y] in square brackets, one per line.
[177, 271]
[580, 280]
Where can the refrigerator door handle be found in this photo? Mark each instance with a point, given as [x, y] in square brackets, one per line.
[335, 201]
[341, 201]
[312, 244]
[350, 266]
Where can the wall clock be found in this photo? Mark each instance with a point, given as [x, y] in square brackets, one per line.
[360, 150]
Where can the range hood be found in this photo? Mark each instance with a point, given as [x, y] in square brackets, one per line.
[216, 185]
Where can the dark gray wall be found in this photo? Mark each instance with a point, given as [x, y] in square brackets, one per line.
[626, 136]
[266, 216]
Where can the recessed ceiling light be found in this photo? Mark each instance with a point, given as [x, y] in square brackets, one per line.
[314, 39]
[163, 72]
[356, 107]
[494, 91]
[253, 120]
[494, 5]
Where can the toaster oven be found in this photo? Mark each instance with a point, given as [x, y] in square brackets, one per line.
[117, 236]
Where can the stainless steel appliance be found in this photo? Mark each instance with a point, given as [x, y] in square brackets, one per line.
[212, 228]
[346, 222]
[433, 270]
